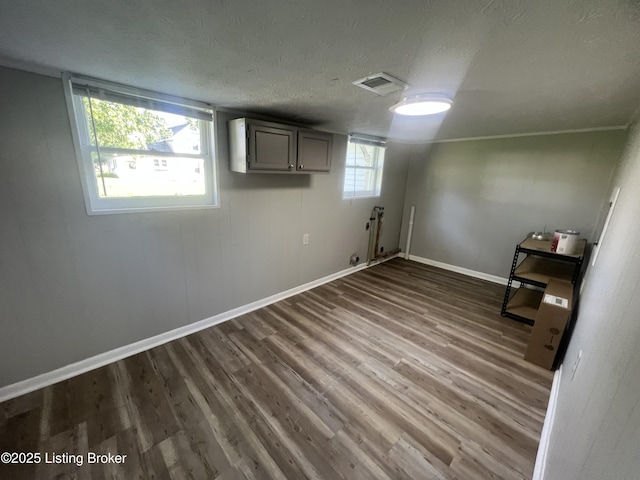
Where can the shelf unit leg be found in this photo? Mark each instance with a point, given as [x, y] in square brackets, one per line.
[510, 281]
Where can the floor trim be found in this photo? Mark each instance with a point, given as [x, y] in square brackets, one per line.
[545, 436]
[44, 380]
[464, 271]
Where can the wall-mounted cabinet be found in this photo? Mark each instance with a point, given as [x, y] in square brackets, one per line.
[256, 146]
[314, 151]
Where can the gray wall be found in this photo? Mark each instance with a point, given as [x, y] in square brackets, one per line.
[596, 433]
[475, 200]
[73, 286]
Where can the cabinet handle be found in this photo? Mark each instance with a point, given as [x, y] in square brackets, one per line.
[301, 167]
[290, 167]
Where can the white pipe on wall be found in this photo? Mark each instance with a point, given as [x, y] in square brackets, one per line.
[410, 232]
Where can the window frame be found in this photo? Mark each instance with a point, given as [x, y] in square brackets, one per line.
[96, 205]
[377, 168]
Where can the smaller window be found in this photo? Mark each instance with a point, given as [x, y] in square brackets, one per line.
[364, 166]
[140, 151]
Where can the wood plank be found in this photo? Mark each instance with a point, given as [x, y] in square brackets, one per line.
[401, 371]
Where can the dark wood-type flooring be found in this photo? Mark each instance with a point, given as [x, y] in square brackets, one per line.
[398, 371]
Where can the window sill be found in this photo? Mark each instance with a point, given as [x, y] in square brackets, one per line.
[355, 197]
[116, 211]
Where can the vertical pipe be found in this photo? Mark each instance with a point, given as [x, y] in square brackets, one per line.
[371, 235]
[410, 232]
[379, 215]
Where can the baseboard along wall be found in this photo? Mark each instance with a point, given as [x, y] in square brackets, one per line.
[44, 380]
[545, 436]
[464, 271]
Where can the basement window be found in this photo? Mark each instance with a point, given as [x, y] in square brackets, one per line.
[363, 169]
[140, 151]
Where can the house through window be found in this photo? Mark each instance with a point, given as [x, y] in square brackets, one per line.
[364, 167]
[139, 151]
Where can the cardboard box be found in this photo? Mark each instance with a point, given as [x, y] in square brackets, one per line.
[550, 324]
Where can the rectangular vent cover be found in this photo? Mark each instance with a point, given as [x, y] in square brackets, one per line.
[381, 83]
[376, 82]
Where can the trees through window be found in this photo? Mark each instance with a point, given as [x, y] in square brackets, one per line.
[138, 152]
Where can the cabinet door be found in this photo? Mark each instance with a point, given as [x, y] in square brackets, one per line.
[271, 147]
[314, 151]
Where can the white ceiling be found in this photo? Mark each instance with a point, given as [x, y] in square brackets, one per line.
[512, 66]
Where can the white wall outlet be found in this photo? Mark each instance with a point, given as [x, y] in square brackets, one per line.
[575, 364]
[305, 239]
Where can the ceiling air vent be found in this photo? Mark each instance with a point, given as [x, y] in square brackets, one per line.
[380, 83]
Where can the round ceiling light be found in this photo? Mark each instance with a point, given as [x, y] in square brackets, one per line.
[422, 104]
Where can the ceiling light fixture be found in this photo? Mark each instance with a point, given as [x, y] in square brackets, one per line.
[422, 104]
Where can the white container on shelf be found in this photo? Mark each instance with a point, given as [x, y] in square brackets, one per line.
[565, 242]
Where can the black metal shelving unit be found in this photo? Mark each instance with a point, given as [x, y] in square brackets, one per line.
[539, 265]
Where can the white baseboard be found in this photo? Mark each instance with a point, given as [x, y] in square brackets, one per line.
[464, 271]
[545, 436]
[44, 380]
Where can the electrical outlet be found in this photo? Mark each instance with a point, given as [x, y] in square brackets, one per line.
[305, 239]
[575, 364]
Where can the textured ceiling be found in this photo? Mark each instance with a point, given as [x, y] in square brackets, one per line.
[511, 66]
